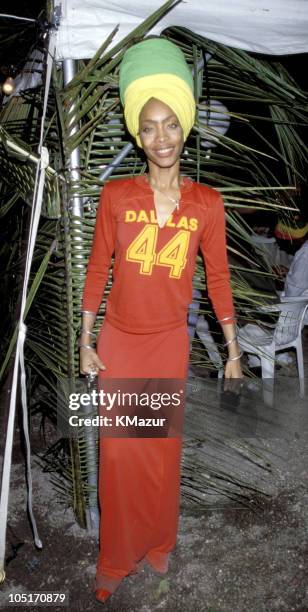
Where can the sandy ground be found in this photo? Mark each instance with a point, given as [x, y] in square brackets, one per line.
[225, 559]
[228, 558]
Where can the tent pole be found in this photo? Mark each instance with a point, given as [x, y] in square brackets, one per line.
[76, 210]
[69, 71]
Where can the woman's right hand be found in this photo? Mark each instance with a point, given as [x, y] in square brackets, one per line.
[90, 361]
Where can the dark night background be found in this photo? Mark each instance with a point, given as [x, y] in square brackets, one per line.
[18, 37]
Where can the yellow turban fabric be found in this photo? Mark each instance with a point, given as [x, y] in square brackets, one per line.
[156, 68]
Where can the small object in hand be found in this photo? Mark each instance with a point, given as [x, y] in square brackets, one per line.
[92, 374]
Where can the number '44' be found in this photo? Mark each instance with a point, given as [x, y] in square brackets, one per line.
[173, 255]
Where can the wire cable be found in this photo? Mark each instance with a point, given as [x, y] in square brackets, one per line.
[16, 17]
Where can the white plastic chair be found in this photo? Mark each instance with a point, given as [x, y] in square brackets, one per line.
[287, 333]
[303, 295]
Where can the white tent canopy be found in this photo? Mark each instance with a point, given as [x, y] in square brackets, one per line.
[265, 26]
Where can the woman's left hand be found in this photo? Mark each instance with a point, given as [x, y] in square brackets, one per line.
[233, 369]
[233, 377]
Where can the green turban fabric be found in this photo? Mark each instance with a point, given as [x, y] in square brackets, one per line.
[156, 68]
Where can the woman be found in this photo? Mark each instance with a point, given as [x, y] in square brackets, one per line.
[155, 224]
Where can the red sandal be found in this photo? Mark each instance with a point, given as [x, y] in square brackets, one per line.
[102, 595]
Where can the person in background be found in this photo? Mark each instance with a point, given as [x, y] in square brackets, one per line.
[296, 279]
[291, 231]
[292, 237]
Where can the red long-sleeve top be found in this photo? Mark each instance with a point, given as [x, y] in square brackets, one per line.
[153, 266]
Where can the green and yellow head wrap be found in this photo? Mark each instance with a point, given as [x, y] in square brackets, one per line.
[293, 229]
[156, 68]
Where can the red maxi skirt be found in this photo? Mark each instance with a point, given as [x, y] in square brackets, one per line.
[139, 478]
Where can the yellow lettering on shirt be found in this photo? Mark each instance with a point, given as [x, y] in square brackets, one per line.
[186, 223]
[130, 215]
[142, 216]
[169, 222]
[193, 224]
[153, 217]
[142, 249]
[173, 255]
[183, 223]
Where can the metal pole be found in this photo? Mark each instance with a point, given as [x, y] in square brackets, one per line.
[115, 162]
[69, 71]
[76, 209]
